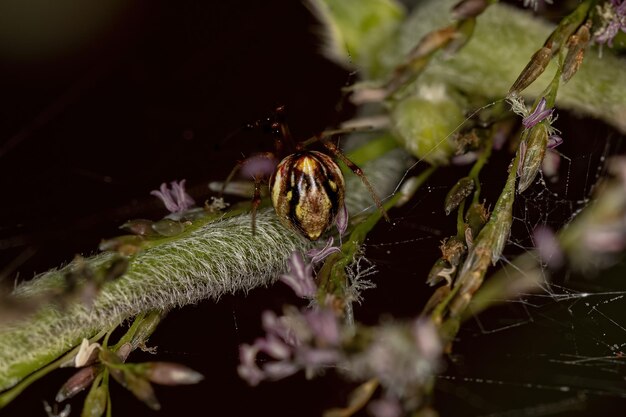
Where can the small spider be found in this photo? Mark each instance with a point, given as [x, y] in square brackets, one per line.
[307, 188]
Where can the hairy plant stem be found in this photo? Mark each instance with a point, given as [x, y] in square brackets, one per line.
[209, 259]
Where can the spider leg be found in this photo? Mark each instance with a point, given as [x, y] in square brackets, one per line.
[357, 171]
[326, 134]
[258, 165]
[230, 177]
[256, 200]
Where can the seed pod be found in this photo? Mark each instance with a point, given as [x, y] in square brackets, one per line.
[461, 190]
[536, 143]
[418, 57]
[431, 42]
[141, 227]
[577, 44]
[168, 373]
[452, 250]
[440, 271]
[469, 8]
[476, 217]
[168, 227]
[77, 382]
[535, 67]
[463, 34]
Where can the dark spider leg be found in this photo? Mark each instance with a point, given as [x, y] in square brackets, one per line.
[237, 167]
[256, 200]
[357, 171]
[323, 136]
[230, 177]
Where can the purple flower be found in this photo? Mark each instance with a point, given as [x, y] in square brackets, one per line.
[248, 369]
[385, 407]
[613, 19]
[465, 159]
[550, 164]
[427, 339]
[341, 221]
[548, 246]
[554, 141]
[538, 115]
[300, 276]
[293, 342]
[324, 326]
[174, 199]
[608, 238]
[318, 255]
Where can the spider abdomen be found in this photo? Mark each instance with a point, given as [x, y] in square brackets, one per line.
[307, 191]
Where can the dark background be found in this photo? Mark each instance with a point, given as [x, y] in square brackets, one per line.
[98, 108]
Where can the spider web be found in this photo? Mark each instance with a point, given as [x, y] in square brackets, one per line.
[560, 351]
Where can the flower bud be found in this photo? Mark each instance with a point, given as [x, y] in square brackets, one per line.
[96, 402]
[168, 227]
[452, 250]
[536, 143]
[141, 227]
[535, 67]
[576, 51]
[476, 217]
[77, 382]
[458, 193]
[168, 373]
[469, 8]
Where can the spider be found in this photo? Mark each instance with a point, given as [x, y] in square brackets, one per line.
[307, 187]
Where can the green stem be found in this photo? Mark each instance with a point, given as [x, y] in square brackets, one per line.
[209, 259]
[478, 166]
[8, 396]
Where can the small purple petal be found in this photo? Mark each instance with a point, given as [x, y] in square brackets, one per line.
[274, 347]
[427, 339]
[247, 369]
[300, 277]
[341, 221]
[164, 195]
[613, 19]
[174, 199]
[276, 326]
[548, 246]
[538, 115]
[554, 141]
[386, 407]
[550, 164]
[604, 239]
[183, 199]
[318, 255]
[324, 325]
[465, 159]
[318, 357]
[279, 370]
[499, 138]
